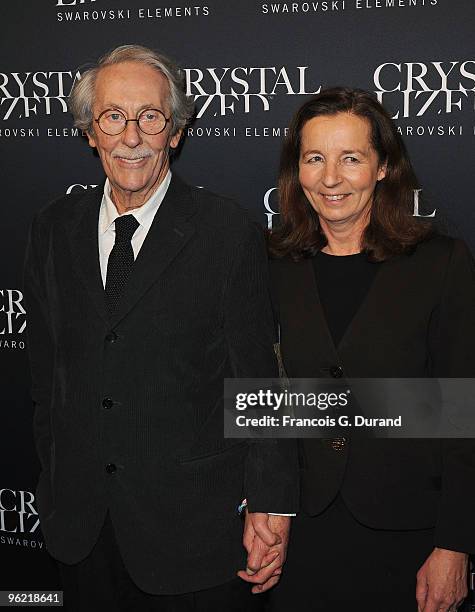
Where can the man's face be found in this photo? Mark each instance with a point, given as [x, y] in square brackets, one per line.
[135, 163]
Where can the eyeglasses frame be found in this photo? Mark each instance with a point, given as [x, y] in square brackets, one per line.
[136, 120]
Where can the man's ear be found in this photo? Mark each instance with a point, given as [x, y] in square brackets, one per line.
[91, 138]
[174, 141]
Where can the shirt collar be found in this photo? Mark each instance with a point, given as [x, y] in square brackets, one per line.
[144, 214]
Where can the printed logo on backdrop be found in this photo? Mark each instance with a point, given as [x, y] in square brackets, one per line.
[227, 92]
[27, 97]
[12, 319]
[335, 6]
[78, 187]
[90, 10]
[271, 206]
[428, 98]
[87, 11]
[33, 94]
[19, 520]
[438, 91]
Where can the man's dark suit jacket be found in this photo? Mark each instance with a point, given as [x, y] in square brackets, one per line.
[129, 412]
[418, 320]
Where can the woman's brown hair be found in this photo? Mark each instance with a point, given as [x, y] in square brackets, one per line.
[392, 228]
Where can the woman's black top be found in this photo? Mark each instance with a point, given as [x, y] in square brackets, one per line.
[343, 282]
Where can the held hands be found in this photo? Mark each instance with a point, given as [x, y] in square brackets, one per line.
[442, 581]
[265, 538]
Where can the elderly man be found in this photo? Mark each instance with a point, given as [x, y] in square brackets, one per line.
[143, 295]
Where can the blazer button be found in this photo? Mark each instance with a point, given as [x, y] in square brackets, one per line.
[112, 337]
[336, 371]
[111, 468]
[107, 402]
[338, 444]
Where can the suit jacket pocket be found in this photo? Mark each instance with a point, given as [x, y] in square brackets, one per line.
[215, 452]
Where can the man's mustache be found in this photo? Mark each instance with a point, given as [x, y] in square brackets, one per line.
[135, 154]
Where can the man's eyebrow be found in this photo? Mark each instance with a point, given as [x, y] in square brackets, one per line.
[141, 107]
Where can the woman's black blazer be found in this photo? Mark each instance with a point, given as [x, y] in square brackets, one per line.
[417, 320]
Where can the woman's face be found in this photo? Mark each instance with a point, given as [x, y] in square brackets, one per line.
[339, 169]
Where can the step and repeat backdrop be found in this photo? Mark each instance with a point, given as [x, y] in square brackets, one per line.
[248, 65]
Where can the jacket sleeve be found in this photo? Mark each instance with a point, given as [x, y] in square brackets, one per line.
[39, 342]
[271, 478]
[452, 339]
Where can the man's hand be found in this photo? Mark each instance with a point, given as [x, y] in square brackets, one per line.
[265, 538]
[442, 581]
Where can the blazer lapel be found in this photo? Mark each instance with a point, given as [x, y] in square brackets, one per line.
[313, 352]
[169, 233]
[381, 299]
[85, 247]
[313, 341]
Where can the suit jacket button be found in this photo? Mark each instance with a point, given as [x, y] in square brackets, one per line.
[111, 468]
[338, 444]
[107, 402]
[111, 337]
[336, 371]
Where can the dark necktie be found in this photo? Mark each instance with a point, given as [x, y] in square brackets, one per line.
[121, 260]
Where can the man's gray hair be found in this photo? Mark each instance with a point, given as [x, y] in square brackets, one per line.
[82, 95]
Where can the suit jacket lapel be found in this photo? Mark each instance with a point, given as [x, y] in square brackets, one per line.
[170, 231]
[85, 247]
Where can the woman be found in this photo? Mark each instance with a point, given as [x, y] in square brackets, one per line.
[364, 289]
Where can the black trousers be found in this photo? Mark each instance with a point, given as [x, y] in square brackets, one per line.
[101, 583]
[335, 564]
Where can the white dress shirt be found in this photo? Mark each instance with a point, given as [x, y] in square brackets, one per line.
[144, 215]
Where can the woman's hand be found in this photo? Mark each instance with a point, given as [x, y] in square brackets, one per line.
[442, 581]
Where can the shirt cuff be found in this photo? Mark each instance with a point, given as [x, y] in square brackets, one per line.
[243, 505]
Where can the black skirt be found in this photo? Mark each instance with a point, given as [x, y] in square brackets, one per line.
[337, 564]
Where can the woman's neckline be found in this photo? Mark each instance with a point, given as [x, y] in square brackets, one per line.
[352, 255]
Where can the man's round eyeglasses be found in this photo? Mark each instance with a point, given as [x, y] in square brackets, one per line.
[150, 121]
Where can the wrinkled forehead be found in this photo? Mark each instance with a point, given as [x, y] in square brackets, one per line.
[130, 86]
